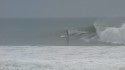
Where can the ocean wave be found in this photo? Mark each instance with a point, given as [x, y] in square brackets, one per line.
[111, 30]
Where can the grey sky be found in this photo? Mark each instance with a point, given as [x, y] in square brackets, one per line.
[62, 8]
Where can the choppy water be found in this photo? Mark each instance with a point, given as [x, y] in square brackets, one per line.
[48, 31]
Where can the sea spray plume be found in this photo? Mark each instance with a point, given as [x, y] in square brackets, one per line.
[111, 31]
[114, 35]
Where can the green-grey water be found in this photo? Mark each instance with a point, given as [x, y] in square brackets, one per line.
[44, 31]
[47, 31]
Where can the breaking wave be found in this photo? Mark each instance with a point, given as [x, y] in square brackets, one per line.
[111, 30]
[82, 31]
[104, 30]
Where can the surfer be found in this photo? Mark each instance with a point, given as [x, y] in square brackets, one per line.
[70, 33]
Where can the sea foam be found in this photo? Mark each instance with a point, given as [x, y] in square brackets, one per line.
[112, 34]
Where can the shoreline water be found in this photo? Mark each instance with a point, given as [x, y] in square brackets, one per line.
[62, 58]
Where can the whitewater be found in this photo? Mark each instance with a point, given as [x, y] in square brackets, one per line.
[62, 58]
[111, 30]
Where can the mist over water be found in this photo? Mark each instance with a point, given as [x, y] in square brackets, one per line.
[47, 31]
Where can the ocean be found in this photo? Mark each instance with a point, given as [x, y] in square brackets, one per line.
[62, 44]
[51, 31]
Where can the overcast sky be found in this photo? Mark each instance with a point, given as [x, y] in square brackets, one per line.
[61, 8]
